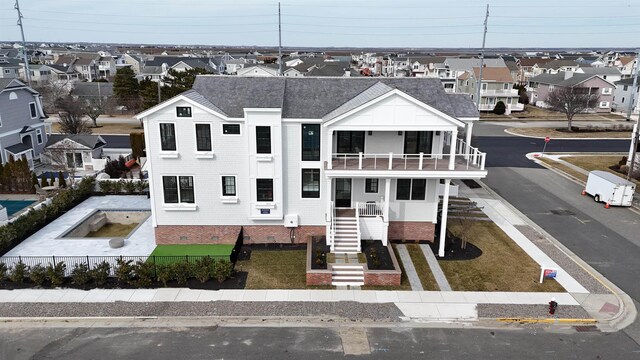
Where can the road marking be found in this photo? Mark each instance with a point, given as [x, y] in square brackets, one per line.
[354, 341]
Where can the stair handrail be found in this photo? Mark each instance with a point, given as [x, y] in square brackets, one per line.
[358, 225]
[332, 229]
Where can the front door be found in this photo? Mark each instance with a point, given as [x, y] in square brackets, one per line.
[343, 193]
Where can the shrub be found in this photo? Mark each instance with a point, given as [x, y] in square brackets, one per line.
[182, 271]
[500, 108]
[38, 274]
[43, 180]
[142, 185]
[320, 257]
[34, 179]
[222, 270]
[100, 273]
[203, 269]
[116, 186]
[3, 271]
[18, 272]
[61, 181]
[143, 273]
[81, 274]
[105, 186]
[124, 271]
[130, 186]
[164, 273]
[55, 273]
[623, 161]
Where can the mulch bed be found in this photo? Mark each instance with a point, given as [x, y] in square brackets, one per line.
[453, 250]
[319, 246]
[375, 246]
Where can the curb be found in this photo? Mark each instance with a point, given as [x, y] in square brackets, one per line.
[557, 138]
[547, 321]
[624, 306]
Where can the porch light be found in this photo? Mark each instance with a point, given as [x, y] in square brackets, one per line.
[399, 133]
[370, 133]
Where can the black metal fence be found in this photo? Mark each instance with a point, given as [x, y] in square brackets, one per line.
[93, 261]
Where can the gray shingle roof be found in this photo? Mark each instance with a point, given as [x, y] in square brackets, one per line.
[559, 80]
[90, 89]
[90, 141]
[600, 70]
[315, 97]
[468, 64]
[17, 148]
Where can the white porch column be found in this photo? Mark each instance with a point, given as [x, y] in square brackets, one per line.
[443, 221]
[452, 149]
[330, 151]
[469, 132]
[387, 198]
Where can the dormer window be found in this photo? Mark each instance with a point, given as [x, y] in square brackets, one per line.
[183, 111]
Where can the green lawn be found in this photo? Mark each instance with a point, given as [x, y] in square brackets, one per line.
[196, 250]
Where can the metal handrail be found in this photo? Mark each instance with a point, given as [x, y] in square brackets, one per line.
[358, 225]
[472, 157]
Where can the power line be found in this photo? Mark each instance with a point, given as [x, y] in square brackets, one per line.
[381, 17]
[153, 16]
[379, 34]
[160, 25]
[385, 27]
[155, 32]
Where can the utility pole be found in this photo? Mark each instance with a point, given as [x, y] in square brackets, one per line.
[159, 96]
[484, 39]
[27, 71]
[279, 43]
[636, 128]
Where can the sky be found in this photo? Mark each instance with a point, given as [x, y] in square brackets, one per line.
[331, 23]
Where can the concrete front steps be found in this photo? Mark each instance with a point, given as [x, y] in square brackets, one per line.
[346, 238]
[347, 275]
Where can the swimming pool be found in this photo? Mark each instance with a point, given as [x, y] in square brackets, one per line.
[13, 206]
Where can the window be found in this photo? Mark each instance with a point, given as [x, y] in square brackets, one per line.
[350, 142]
[228, 186]
[310, 142]
[7, 71]
[32, 108]
[39, 135]
[604, 104]
[411, 189]
[263, 139]
[203, 137]
[606, 91]
[183, 111]
[311, 183]
[178, 189]
[505, 86]
[416, 142]
[168, 137]
[625, 88]
[74, 160]
[371, 186]
[264, 189]
[231, 129]
[483, 86]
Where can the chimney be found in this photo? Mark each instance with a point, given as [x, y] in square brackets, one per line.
[568, 75]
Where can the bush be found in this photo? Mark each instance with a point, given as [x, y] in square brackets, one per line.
[18, 272]
[55, 273]
[203, 269]
[3, 271]
[164, 273]
[222, 270]
[124, 271]
[182, 272]
[142, 185]
[500, 108]
[43, 180]
[144, 274]
[38, 274]
[130, 186]
[105, 186]
[116, 186]
[623, 161]
[81, 274]
[100, 273]
[61, 181]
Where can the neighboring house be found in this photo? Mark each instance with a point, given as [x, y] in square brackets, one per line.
[259, 70]
[232, 66]
[424, 66]
[158, 67]
[22, 127]
[75, 151]
[106, 67]
[9, 68]
[622, 96]
[541, 85]
[455, 67]
[40, 73]
[556, 66]
[135, 61]
[530, 67]
[286, 158]
[497, 85]
[610, 74]
[625, 65]
[92, 90]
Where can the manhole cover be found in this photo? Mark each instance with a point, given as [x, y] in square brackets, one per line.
[562, 212]
[587, 328]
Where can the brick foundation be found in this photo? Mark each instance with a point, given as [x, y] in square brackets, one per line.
[318, 278]
[386, 278]
[227, 234]
[411, 231]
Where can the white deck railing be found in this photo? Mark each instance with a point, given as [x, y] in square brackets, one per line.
[370, 209]
[472, 160]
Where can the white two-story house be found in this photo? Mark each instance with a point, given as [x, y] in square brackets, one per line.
[289, 158]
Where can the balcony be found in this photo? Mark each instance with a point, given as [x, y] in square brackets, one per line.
[502, 92]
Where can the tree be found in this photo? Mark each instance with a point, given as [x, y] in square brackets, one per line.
[125, 87]
[500, 108]
[61, 181]
[93, 108]
[51, 91]
[149, 93]
[137, 145]
[72, 113]
[571, 101]
[180, 81]
[522, 93]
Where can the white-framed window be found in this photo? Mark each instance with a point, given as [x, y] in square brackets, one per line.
[606, 91]
[229, 188]
[310, 183]
[483, 87]
[371, 186]
[604, 104]
[231, 129]
[183, 111]
[551, 87]
[7, 71]
[203, 137]
[13, 96]
[168, 137]
[264, 190]
[32, 110]
[39, 136]
[178, 189]
[263, 139]
[505, 86]
[411, 189]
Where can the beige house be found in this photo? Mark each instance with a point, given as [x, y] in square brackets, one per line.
[497, 85]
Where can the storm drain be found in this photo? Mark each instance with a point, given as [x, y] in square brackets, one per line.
[586, 328]
[562, 212]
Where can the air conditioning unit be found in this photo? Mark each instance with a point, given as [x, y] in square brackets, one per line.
[291, 221]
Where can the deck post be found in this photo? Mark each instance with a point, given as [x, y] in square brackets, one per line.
[360, 160]
[420, 162]
[452, 150]
[387, 192]
[443, 220]
[390, 161]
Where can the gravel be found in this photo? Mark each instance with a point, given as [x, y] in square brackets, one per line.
[563, 260]
[530, 311]
[345, 310]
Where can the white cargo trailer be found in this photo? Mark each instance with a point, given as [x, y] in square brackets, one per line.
[610, 189]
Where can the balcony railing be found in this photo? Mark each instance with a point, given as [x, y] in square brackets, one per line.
[370, 208]
[474, 160]
[502, 92]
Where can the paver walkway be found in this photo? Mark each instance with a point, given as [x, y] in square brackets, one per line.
[409, 269]
[436, 270]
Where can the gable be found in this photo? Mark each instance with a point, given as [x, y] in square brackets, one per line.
[394, 110]
[68, 144]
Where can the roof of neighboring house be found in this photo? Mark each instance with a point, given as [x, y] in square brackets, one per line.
[497, 74]
[83, 61]
[558, 63]
[600, 70]
[527, 62]
[61, 68]
[624, 60]
[559, 80]
[627, 81]
[173, 60]
[427, 59]
[151, 70]
[314, 97]
[90, 141]
[14, 83]
[92, 89]
[468, 64]
[64, 59]
[512, 65]
[332, 69]
[9, 63]
[17, 148]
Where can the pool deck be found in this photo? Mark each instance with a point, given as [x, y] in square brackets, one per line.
[46, 243]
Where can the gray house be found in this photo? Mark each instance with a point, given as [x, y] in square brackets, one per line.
[22, 127]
